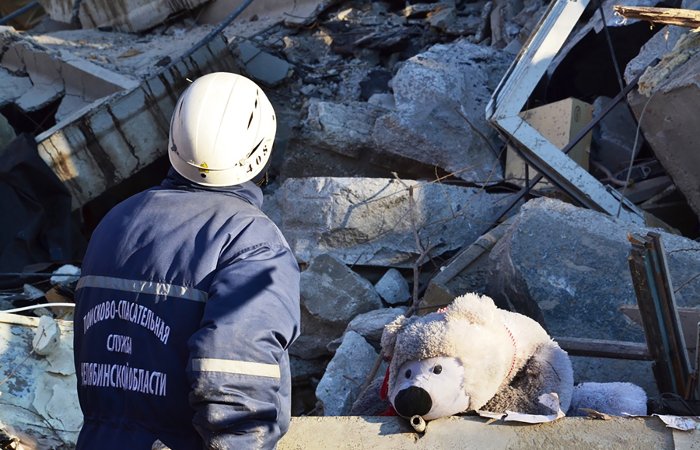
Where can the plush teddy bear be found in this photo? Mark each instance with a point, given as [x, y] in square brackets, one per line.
[474, 356]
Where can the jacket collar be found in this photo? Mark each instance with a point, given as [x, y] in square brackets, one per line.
[247, 191]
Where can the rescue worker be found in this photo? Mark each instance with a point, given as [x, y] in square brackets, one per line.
[189, 294]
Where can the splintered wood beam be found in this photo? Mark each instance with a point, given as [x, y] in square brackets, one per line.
[668, 16]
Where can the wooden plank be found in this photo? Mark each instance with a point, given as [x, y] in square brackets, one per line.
[668, 16]
[601, 348]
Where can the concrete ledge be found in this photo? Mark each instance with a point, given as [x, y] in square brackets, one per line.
[394, 433]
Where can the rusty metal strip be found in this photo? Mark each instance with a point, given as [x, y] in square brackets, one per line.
[657, 305]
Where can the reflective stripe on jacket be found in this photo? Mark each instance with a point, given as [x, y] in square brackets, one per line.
[188, 301]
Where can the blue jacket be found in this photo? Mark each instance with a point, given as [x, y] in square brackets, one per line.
[187, 304]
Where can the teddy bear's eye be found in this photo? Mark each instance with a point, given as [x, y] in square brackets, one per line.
[437, 370]
[408, 373]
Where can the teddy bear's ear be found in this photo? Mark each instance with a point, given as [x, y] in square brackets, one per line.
[391, 330]
[477, 309]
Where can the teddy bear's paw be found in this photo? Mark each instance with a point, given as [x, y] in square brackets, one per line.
[614, 398]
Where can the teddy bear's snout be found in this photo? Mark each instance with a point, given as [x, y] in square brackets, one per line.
[413, 401]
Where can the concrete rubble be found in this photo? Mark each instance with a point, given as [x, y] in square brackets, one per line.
[665, 104]
[440, 99]
[387, 181]
[374, 221]
[38, 396]
[345, 374]
[35, 76]
[121, 15]
[322, 321]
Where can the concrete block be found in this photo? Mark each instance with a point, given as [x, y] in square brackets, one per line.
[51, 76]
[666, 108]
[440, 96]
[393, 287]
[345, 375]
[331, 296]
[457, 433]
[263, 67]
[558, 122]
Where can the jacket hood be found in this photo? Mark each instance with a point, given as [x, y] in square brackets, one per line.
[247, 191]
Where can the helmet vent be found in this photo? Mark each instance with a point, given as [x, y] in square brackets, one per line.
[254, 149]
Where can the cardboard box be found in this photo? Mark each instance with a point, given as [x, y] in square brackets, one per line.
[559, 122]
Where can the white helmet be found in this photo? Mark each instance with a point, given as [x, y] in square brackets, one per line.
[222, 130]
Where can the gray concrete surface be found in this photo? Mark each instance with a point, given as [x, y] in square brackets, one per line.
[350, 432]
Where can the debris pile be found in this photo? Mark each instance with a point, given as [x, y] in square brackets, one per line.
[391, 183]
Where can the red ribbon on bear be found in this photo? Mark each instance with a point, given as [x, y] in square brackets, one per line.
[384, 395]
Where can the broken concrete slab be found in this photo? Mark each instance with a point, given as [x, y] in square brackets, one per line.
[578, 288]
[575, 280]
[666, 108]
[261, 66]
[345, 374]
[441, 95]
[43, 71]
[93, 150]
[342, 128]
[48, 77]
[12, 86]
[135, 56]
[121, 15]
[331, 296]
[264, 13]
[38, 395]
[374, 221]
